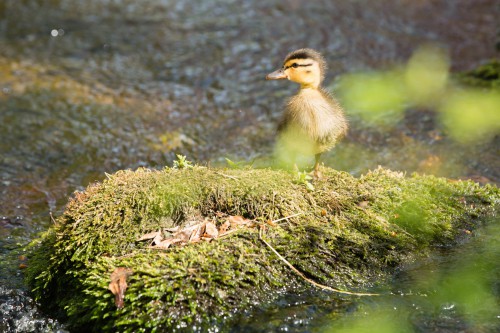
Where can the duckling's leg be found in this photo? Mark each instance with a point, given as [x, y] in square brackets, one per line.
[293, 159]
[316, 172]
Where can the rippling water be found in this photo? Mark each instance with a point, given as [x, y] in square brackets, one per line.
[97, 86]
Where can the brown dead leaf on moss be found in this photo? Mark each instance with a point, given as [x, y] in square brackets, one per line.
[202, 231]
[152, 235]
[118, 284]
[211, 230]
[190, 234]
[237, 221]
[205, 230]
[166, 243]
[224, 227]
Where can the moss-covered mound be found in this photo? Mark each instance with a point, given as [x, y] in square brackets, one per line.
[350, 232]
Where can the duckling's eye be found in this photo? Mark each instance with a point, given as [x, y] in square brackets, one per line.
[296, 65]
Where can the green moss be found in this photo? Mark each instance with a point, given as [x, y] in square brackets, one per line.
[486, 75]
[351, 231]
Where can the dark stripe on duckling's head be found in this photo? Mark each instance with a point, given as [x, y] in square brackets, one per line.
[295, 65]
[308, 54]
[302, 54]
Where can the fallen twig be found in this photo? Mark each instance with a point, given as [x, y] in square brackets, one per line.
[228, 176]
[299, 273]
[287, 217]
[227, 233]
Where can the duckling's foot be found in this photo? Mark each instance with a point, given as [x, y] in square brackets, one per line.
[316, 174]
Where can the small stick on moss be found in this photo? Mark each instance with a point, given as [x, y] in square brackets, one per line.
[228, 176]
[287, 217]
[227, 233]
[299, 273]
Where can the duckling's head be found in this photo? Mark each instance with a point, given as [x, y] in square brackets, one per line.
[304, 66]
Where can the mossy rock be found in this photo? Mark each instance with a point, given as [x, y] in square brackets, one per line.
[486, 75]
[350, 234]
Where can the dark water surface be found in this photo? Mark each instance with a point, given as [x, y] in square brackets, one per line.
[88, 87]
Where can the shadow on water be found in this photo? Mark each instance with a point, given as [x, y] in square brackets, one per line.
[98, 86]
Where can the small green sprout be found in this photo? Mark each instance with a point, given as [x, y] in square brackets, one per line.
[304, 178]
[182, 163]
[233, 165]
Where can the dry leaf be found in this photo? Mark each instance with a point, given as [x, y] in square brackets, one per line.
[151, 235]
[238, 221]
[224, 227]
[158, 238]
[197, 233]
[205, 231]
[174, 229]
[186, 233]
[211, 230]
[118, 284]
[166, 243]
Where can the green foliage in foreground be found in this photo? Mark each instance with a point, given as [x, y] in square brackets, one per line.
[352, 232]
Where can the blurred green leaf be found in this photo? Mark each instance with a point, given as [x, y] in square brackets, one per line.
[471, 115]
[377, 97]
[426, 75]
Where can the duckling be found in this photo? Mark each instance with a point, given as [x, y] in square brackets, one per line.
[313, 120]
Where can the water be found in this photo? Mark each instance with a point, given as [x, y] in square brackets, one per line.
[94, 87]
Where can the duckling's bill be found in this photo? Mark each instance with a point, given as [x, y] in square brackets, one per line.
[277, 75]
